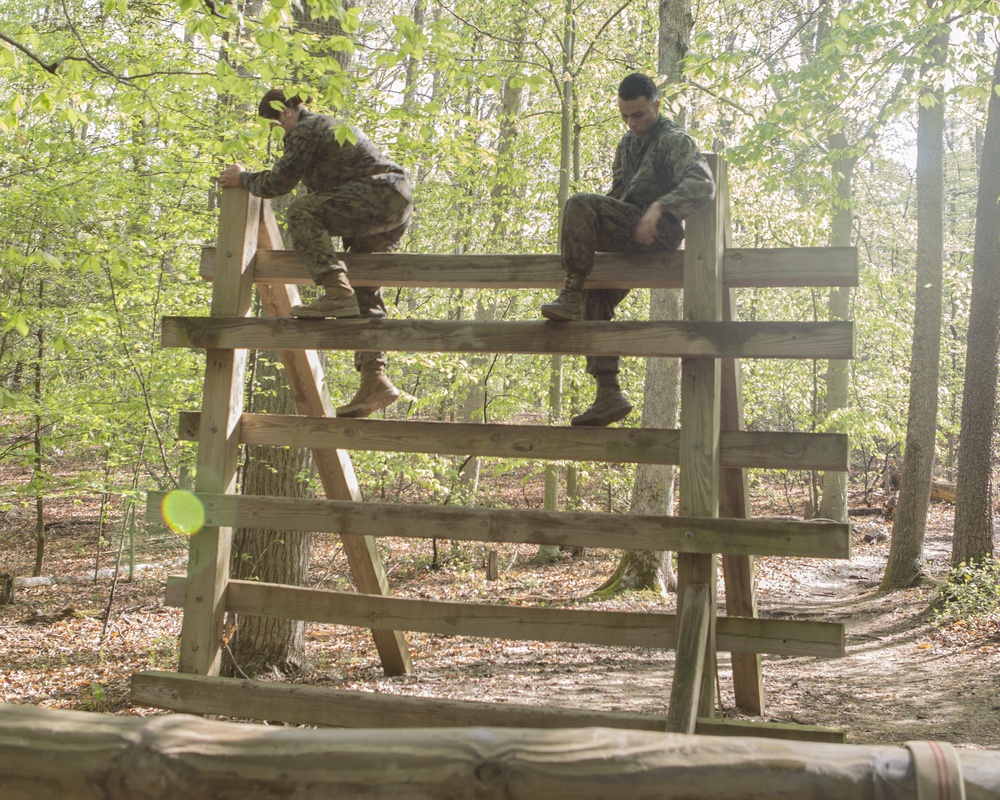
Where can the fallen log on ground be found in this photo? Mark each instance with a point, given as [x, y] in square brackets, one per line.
[72, 755]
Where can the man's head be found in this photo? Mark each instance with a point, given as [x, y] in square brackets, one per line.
[283, 110]
[639, 103]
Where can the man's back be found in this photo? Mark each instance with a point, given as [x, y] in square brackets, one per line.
[314, 155]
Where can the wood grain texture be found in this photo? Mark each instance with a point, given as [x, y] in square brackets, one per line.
[692, 642]
[763, 449]
[218, 441]
[700, 428]
[297, 704]
[567, 528]
[742, 268]
[74, 755]
[734, 501]
[697, 339]
[527, 623]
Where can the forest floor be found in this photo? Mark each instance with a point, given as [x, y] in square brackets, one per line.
[73, 642]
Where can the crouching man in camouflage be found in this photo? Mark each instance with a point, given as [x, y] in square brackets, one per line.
[659, 177]
[355, 192]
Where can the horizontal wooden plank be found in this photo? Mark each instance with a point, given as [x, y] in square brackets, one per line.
[338, 708]
[567, 528]
[718, 726]
[761, 449]
[762, 267]
[447, 618]
[663, 339]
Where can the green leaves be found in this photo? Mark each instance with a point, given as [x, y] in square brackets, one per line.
[108, 180]
[16, 321]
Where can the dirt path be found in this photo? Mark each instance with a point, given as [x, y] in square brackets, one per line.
[902, 677]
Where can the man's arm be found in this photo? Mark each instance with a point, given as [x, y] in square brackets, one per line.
[287, 170]
[695, 184]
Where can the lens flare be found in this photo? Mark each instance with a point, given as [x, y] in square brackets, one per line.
[183, 512]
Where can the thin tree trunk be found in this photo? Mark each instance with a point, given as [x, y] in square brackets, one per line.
[653, 490]
[38, 476]
[974, 509]
[549, 553]
[905, 565]
[833, 504]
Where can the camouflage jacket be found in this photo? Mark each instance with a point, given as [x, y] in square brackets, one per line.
[665, 167]
[313, 156]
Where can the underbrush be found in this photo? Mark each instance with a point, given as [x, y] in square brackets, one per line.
[970, 592]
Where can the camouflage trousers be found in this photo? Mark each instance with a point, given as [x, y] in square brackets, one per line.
[597, 223]
[370, 216]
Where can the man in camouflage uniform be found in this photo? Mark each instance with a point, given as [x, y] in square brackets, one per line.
[355, 192]
[659, 177]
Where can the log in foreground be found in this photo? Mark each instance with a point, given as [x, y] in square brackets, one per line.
[72, 755]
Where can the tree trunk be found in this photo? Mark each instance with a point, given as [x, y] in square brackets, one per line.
[653, 491]
[674, 35]
[833, 504]
[974, 510]
[549, 553]
[261, 644]
[905, 565]
[38, 459]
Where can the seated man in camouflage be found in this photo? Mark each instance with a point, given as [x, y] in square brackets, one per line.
[355, 192]
[659, 177]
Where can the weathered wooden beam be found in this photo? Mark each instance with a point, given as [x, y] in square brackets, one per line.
[450, 618]
[218, 441]
[296, 704]
[734, 501]
[692, 643]
[73, 755]
[567, 528]
[761, 449]
[659, 339]
[701, 392]
[749, 268]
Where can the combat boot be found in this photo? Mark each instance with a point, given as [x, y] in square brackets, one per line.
[609, 406]
[568, 306]
[338, 300]
[375, 393]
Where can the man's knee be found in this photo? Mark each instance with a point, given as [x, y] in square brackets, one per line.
[581, 204]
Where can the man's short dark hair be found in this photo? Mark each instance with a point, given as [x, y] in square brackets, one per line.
[266, 107]
[637, 85]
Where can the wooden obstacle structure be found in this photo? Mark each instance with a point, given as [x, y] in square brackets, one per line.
[710, 448]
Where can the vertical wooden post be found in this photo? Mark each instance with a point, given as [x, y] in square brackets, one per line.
[738, 571]
[734, 502]
[336, 471]
[218, 441]
[699, 457]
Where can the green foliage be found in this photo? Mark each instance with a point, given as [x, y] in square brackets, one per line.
[116, 117]
[970, 592]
